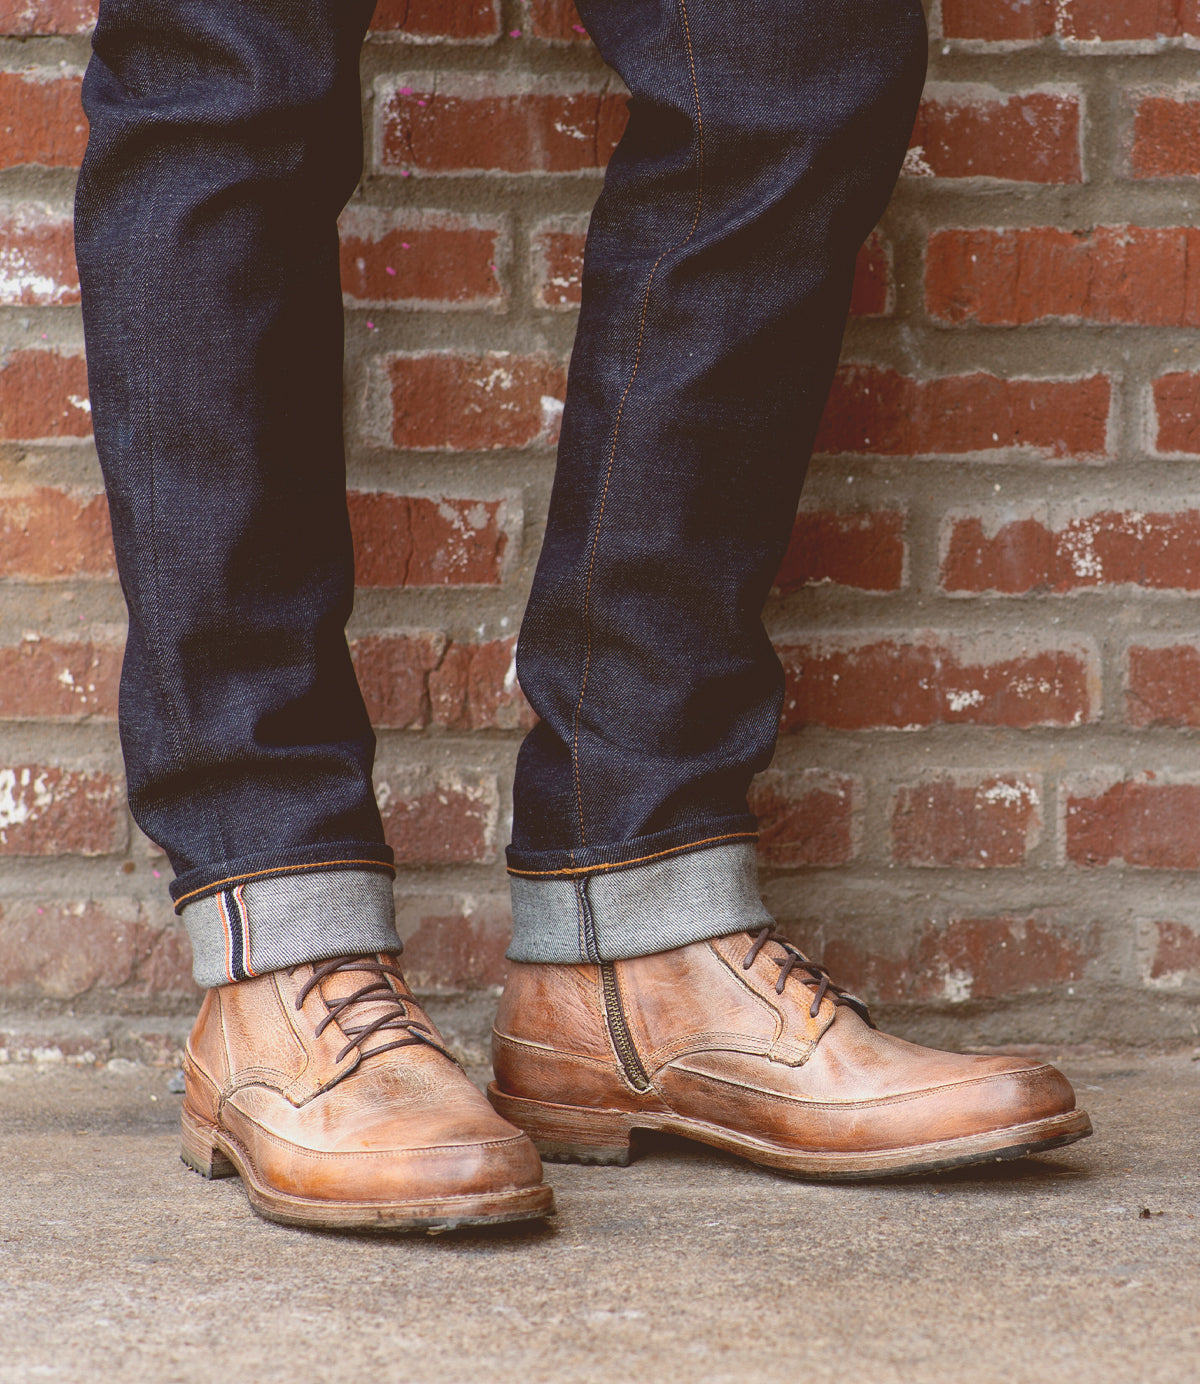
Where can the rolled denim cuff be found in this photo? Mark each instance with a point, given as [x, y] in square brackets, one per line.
[611, 915]
[289, 920]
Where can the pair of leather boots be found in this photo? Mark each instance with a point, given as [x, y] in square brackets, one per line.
[330, 1092]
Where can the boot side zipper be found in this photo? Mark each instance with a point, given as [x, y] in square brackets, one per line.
[618, 1027]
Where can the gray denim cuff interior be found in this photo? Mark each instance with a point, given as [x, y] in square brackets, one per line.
[609, 915]
[288, 920]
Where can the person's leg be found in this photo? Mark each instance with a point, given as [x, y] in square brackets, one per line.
[762, 147]
[224, 140]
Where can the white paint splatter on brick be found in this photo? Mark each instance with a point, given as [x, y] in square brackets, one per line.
[1007, 794]
[959, 701]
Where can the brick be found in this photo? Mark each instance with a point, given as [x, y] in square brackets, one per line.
[46, 678]
[47, 533]
[422, 259]
[1124, 21]
[556, 20]
[43, 394]
[37, 258]
[475, 688]
[873, 294]
[1154, 552]
[964, 959]
[464, 123]
[1176, 957]
[1163, 685]
[998, 21]
[439, 817]
[1143, 823]
[805, 818]
[438, 21]
[41, 120]
[1122, 274]
[1177, 414]
[414, 540]
[881, 412]
[1110, 21]
[992, 958]
[64, 950]
[441, 401]
[393, 672]
[48, 810]
[976, 132]
[854, 682]
[29, 18]
[863, 549]
[410, 681]
[971, 821]
[1166, 137]
[557, 246]
[455, 943]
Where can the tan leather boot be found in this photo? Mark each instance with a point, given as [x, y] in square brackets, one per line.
[331, 1094]
[744, 1044]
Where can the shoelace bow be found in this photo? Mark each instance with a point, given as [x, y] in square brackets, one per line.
[376, 991]
[809, 973]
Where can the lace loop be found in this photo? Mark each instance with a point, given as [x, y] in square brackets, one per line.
[395, 1015]
[813, 973]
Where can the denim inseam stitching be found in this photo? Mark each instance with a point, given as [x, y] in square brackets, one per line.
[587, 594]
[591, 951]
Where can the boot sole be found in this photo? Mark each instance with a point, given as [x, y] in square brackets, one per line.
[569, 1134]
[213, 1154]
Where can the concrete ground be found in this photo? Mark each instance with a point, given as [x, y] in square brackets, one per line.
[118, 1263]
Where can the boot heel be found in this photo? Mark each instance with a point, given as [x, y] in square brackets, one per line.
[199, 1149]
[566, 1133]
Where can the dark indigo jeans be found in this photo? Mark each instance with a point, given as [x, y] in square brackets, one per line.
[763, 143]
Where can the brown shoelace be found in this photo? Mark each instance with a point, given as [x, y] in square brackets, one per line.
[395, 1016]
[809, 972]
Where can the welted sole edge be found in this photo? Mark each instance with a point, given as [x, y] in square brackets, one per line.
[570, 1134]
[213, 1154]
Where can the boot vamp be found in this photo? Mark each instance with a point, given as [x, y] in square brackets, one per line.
[402, 1129]
[861, 1089]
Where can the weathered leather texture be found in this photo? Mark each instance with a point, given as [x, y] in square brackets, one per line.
[720, 1046]
[406, 1126]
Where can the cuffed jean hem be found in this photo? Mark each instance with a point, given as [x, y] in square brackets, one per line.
[268, 923]
[641, 850]
[329, 856]
[611, 915]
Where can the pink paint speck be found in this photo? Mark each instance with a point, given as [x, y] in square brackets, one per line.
[579, 29]
[406, 91]
[404, 245]
[514, 33]
[389, 271]
[157, 874]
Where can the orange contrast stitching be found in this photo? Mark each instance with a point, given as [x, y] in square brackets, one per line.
[612, 456]
[278, 870]
[637, 860]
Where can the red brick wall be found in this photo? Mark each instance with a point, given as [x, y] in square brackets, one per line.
[986, 802]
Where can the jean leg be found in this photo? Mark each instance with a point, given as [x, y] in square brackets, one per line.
[762, 147]
[224, 140]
